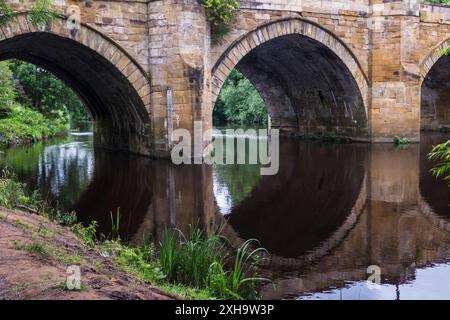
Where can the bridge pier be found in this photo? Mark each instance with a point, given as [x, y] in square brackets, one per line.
[395, 105]
[178, 48]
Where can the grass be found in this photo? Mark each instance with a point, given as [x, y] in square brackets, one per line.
[36, 248]
[188, 259]
[87, 234]
[45, 250]
[204, 262]
[196, 265]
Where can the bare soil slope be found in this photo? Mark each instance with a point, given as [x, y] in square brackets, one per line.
[35, 254]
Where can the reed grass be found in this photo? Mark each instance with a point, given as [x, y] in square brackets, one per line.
[205, 262]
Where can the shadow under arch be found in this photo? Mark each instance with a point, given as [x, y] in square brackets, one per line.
[435, 89]
[310, 81]
[111, 83]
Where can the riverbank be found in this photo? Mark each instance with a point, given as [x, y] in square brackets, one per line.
[36, 252]
[25, 126]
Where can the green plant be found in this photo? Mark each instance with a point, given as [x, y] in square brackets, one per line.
[187, 259]
[7, 91]
[140, 261]
[6, 13]
[36, 248]
[401, 141]
[204, 262]
[42, 13]
[441, 153]
[87, 234]
[239, 102]
[220, 14]
[12, 193]
[239, 282]
[331, 136]
[168, 253]
[246, 262]
[26, 125]
[437, 1]
[115, 225]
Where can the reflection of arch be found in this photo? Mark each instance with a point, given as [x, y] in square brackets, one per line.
[112, 84]
[316, 253]
[131, 189]
[435, 219]
[312, 36]
[318, 193]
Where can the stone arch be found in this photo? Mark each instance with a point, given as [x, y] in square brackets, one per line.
[433, 57]
[312, 35]
[435, 89]
[114, 87]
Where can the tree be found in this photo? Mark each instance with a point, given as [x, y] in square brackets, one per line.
[45, 93]
[7, 93]
[239, 102]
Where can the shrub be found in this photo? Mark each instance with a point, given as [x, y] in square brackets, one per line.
[220, 14]
[24, 124]
[12, 193]
[42, 14]
[204, 262]
[401, 141]
[7, 92]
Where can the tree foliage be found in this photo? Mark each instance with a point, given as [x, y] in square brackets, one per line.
[43, 110]
[7, 93]
[239, 102]
[47, 94]
[26, 125]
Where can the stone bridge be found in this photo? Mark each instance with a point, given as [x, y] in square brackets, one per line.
[365, 69]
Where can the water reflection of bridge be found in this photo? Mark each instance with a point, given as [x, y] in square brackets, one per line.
[325, 217]
[396, 229]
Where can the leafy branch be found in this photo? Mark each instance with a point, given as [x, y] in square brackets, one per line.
[441, 153]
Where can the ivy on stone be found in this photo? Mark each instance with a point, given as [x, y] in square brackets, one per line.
[6, 13]
[220, 14]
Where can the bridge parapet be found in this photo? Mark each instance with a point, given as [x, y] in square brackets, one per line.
[363, 7]
[433, 13]
[326, 6]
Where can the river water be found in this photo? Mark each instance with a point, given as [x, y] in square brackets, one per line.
[331, 212]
